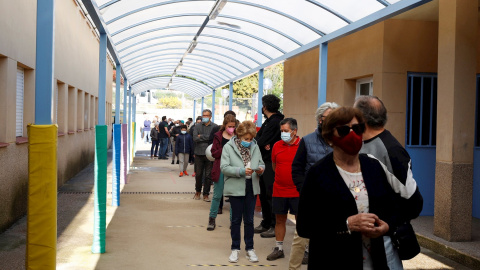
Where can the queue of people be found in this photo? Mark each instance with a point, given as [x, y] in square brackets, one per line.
[349, 183]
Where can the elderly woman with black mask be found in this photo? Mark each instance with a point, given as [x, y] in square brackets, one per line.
[353, 194]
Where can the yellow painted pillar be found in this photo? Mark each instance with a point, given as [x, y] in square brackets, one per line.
[457, 42]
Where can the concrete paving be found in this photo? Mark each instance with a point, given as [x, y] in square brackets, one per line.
[157, 226]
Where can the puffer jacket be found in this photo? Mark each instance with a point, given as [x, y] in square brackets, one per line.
[184, 144]
[154, 134]
[233, 169]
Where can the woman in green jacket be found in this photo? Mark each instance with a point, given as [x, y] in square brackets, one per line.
[241, 165]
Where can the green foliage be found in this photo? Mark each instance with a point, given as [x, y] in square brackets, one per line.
[171, 102]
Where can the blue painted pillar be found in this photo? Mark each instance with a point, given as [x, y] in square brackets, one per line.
[230, 97]
[44, 62]
[102, 76]
[117, 93]
[260, 95]
[41, 243]
[213, 106]
[125, 95]
[322, 74]
[203, 101]
[134, 117]
[117, 142]
[194, 109]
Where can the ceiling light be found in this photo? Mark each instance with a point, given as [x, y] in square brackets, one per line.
[216, 9]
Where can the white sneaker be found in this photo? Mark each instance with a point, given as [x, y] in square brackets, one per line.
[234, 256]
[251, 256]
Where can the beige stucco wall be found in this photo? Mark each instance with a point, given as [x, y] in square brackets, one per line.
[76, 68]
[387, 51]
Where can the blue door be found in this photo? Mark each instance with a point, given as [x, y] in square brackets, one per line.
[476, 159]
[421, 131]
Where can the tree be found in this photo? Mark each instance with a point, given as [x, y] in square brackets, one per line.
[169, 103]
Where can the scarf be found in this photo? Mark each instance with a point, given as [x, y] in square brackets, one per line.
[244, 151]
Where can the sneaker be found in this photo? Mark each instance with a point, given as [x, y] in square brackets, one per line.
[305, 258]
[185, 173]
[206, 199]
[197, 196]
[268, 234]
[220, 211]
[173, 161]
[211, 224]
[178, 161]
[193, 175]
[260, 229]
[276, 254]
[234, 256]
[251, 256]
[181, 174]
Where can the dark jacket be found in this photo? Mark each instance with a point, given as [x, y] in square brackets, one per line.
[325, 204]
[174, 131]
[201, 143]
[184, 144]
[312, 148]
[212, 134]
[217, 148]
[154, 134]
[269, 134]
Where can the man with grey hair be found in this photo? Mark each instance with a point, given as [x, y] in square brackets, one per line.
[380, 143]
[201, 134]
[311, 149]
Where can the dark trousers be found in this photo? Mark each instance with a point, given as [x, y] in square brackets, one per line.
[154, 146]
[243, 207]
[163, 147]
[266, 192]
[203, 165]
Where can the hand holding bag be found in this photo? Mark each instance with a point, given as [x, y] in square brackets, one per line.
[405, 241]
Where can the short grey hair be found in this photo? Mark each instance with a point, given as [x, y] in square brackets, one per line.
[291, 122]
[207, 110]
[323, 108]
[373, 109]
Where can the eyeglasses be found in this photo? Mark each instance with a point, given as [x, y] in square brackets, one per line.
[345, 129]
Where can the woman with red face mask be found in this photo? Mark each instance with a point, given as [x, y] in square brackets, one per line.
[346, 204]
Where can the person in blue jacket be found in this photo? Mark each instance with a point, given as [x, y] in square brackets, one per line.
[183, 149]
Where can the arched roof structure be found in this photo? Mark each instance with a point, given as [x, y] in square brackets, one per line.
[196, 46]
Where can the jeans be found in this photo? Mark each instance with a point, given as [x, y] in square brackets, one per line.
[243, 207]
[203, 165]
[146, 136]
[393, 260]
[217, 199]
[266, 192]
[183, 161]
[154, 146]
[163, 147]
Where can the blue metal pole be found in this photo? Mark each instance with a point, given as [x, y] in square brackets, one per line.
[102, 76]
[194, 109]
[230, 97]
[213, 106]
[322, 74]
[129, 136]
[125, 91]
[260, 95]
[203, 101]
[134, 117]
[45, 63]
[117, 93]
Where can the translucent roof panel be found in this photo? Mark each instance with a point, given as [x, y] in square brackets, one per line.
[158, 41]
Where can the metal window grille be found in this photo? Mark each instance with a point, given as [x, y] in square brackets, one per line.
[421, 109]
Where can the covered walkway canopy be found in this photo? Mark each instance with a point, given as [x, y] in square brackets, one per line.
[196, 46]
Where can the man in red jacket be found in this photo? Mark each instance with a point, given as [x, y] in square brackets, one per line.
[285, 195]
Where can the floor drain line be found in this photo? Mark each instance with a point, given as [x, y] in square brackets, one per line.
[126, 192]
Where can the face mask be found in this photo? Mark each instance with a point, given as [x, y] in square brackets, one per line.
[205, 119]
[286, 136]
[230, 130]
[350, 144]
[246, 144]
[184, 132]
[177, 125]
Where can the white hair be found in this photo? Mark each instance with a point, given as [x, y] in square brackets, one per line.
[324, 107]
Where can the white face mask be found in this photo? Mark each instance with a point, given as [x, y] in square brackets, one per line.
[177, 125]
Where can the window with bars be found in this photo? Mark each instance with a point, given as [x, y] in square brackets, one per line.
[421, 109]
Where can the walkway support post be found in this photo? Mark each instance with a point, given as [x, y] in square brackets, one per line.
[230, 97]
[100, 187]
[124, 164]
[194, 109]
[213, 106]
[41, 250]
[260, 95]
[134, 120]
[203, 101]
[117, 142]
[322, 74]
[130, 156]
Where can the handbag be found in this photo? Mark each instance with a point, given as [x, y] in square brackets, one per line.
[405, 241]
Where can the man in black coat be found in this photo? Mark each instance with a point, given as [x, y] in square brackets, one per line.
[266, 137]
